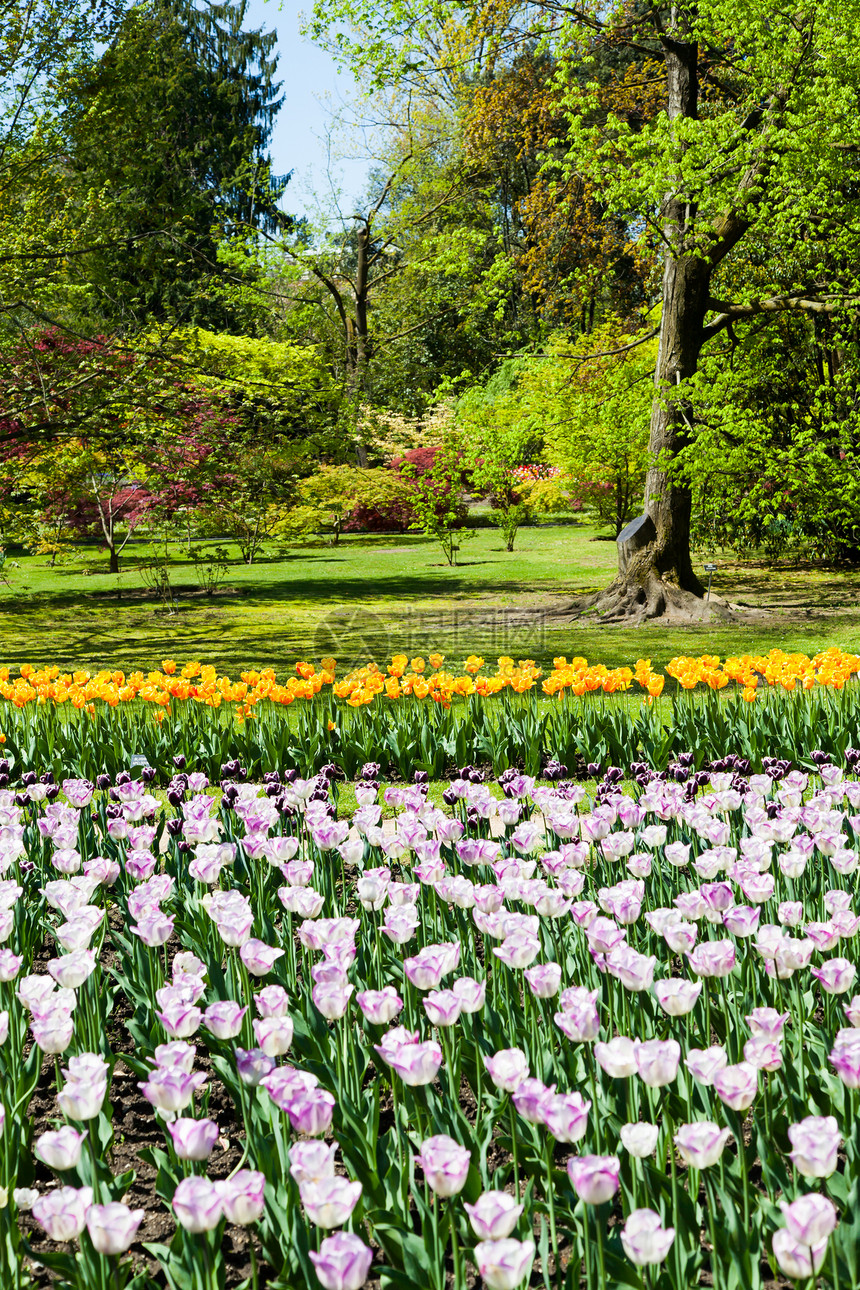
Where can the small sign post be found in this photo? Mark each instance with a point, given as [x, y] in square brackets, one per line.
[138, 761]
[710, 570]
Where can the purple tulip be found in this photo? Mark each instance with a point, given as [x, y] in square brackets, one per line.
[507, 1069]
[816, 1141]
[113, 1227]
[273, 1034]
[471, 993]
[197, 1204]
[311, 1161]
[258, 957]
[506, 1264]
[418, 1063]
[646, 1242]
[343, 1262]
[737, 1086]
[530, 1097]
[565, 1116]
[797, 1260]
[657, 1061]
[810, 1219]
[763, 1053]
[311, 1111]
[617, 1057]
[445, 1164]
[329, 1201]
[594, 1178]
[836, 975]
[639, 1139]
[253, 1065]
[62, 1213]
[61, 1148]
[242, 1197]
[700, 1145]
[443, 1007]
[494, 1215]
[712, 958]
[380, 1006]
[224, 1019]
[193, 1139]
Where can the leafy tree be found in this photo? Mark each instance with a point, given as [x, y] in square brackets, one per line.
[169, 153]
[748, 163]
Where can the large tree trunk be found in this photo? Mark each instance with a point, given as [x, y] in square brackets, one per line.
[655, 572]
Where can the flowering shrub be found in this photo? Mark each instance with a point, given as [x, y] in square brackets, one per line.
[544, 1035]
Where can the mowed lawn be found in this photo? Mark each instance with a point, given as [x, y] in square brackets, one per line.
[370, 596]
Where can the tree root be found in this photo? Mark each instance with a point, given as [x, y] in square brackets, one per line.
[631, 602]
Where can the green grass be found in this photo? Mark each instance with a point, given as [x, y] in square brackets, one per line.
[371, 596]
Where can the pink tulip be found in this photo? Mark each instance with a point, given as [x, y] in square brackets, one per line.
[193, 1139]
[639, 1140]
[700, 1145]
[343, 1262]
[815, 1141]
[197, 1204]
[330, 1201]
[836, 975]
[544, 980]
[565, 1116]
[810, 1219]
[332, 999]
[646, 1242]
[507, 1069]
[60, 1148]
[767, 1021]
[471, 993]
[796, 1260]
[417, 1064]
[737, 1086]
[380, 1006]
[442, 1007]
[445, 1164]
[657, 1061]
[617, 1057]
[763, 1053]
[530, 1098]
[224, 1019]
[705, 1064]
[594, 1178]
[242, 1197]
[62, 1212]
[712, 958]
[258, 957]
[504, 1265]
[494, 1215]
[311, 1161]
[311, 1111]
[113, 1227]
[274, 1035]
[677, 996]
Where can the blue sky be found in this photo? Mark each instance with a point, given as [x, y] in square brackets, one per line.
[313, 90]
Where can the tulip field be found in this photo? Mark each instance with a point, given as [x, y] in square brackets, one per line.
[529, 1032]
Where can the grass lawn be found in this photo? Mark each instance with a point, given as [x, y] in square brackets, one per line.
[371, 596]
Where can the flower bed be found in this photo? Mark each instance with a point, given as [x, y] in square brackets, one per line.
[546, 1039]
[414, 716]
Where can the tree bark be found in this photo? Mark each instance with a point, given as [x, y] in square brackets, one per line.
[658, 578]
[114, 560]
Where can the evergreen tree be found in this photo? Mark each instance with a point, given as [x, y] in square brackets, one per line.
[171, 152]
